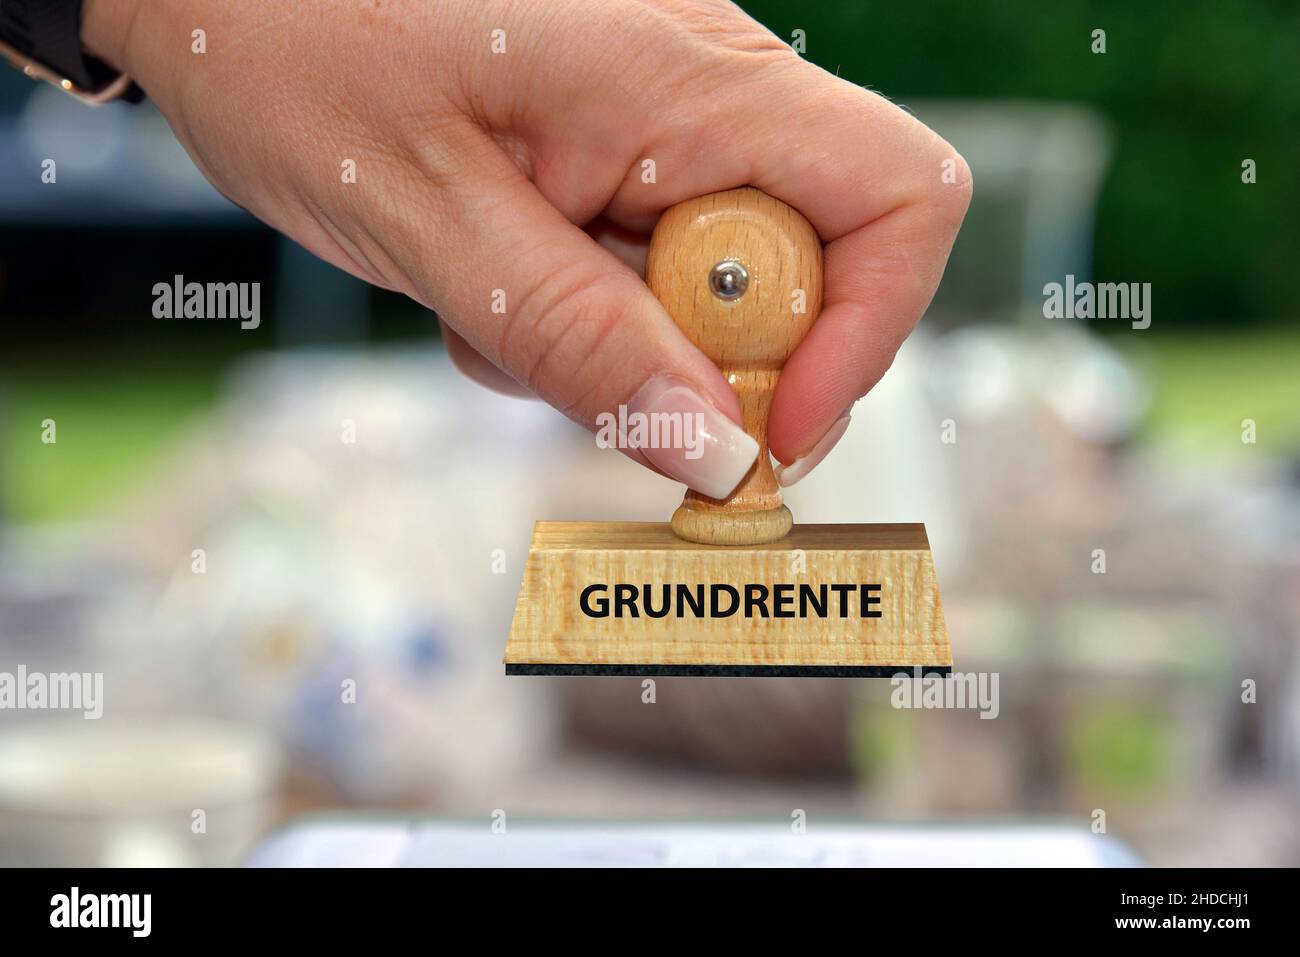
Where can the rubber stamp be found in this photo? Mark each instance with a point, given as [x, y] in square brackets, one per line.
[732, 586]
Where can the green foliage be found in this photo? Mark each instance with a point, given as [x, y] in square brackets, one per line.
[1206, 384]
[1192, 89]
[1120, 751]
[115, 421]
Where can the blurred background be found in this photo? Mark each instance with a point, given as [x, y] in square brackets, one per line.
[205, 534]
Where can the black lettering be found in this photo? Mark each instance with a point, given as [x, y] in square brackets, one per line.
[843, 591]
[649, 607]
[817, 599]
[693, 598]
[714, 592]
[683, 601]
[782, 598]
[602, 604]
[625, 597]
[869, 595]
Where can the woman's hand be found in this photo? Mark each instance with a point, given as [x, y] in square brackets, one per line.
[501, 152]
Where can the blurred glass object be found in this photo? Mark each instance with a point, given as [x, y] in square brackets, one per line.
[1038, 169]
[179, 792]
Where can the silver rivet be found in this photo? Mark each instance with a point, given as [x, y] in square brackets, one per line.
[728, 280]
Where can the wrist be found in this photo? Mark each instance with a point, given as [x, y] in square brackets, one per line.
[106, 30]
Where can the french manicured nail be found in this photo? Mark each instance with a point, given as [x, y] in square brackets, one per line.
[787, 475]
[686, 436]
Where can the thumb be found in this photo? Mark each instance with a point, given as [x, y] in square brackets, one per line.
[568, 320]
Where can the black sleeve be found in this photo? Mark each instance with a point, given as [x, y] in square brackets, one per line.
[49, 31]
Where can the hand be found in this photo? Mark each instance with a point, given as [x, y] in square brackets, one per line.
[521, 171]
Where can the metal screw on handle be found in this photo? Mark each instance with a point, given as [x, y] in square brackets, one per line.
[728, 280]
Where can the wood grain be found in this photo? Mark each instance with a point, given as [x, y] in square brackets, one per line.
[749, 338]
[654, 536]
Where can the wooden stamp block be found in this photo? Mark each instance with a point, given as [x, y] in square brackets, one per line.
[631, 598]
[731, 586]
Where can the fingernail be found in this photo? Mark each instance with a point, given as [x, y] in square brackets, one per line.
[687, 437]
[787, 475]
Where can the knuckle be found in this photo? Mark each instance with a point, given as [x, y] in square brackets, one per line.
[562, 329]
[956, 185]
[963, 185]
[944, 183]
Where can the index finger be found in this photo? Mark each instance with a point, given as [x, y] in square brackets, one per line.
[883, 191]
[888, 195]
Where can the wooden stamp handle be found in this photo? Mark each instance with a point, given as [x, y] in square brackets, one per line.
[741, 273]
